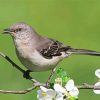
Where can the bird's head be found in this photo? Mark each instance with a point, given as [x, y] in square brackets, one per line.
[19, 30]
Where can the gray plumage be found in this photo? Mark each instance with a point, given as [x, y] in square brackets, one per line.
[39, 53]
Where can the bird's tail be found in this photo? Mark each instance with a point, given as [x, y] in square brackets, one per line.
[83, 51]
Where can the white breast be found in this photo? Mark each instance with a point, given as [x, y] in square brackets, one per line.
[34, 61]
[41, 63]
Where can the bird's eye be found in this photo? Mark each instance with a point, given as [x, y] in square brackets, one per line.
[18, 30]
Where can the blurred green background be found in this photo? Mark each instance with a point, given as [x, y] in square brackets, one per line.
[74, 22]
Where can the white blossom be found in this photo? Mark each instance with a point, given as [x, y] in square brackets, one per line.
[60, 96]
[97, 85]
[97, 73]
[59, 88]
[49, 94]
[59, 92]
[45, 94]
[70, 89]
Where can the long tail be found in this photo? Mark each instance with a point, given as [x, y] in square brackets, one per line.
[83, 51]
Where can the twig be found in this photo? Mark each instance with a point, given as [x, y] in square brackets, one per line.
[18, 91]
[16, 66]
[10, 61]
[35, 85]
[88, 86]
[84, 86]
[50, 76]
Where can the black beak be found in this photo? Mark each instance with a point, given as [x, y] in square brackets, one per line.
[6, 31]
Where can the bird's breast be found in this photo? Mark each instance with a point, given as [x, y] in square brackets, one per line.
[33, 60]
[42, 63]
[36, 62]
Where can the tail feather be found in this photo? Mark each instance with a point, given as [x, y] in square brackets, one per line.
[83, 51]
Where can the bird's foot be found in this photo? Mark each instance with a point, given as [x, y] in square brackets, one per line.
[27, 74]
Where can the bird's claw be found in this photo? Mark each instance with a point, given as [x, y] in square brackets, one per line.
[27, 74]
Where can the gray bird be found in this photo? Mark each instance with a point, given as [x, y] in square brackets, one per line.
[38, 53]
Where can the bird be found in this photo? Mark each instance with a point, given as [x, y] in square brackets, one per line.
[40, 53]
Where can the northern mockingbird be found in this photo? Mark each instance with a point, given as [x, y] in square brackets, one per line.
[38, 53]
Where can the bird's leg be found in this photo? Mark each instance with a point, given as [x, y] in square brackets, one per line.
[26, 74]
[50, 76]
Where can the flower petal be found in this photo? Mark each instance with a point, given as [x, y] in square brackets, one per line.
[43, 88]
[59, 88]
[97, 85]
[70, 85]
[97, 73]
[74, 92]
[51, 93]
[45, 94]
[59, 96]
[39, 94]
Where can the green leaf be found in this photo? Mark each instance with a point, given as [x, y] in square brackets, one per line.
[73, 98]
[61, 73]
[65, 79]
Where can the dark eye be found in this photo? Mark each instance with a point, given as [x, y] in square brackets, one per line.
[18, 30]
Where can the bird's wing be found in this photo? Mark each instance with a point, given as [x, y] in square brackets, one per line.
[52, 48]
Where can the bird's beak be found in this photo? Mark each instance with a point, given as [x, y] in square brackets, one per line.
[6, 31]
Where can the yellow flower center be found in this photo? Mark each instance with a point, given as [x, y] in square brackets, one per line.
[44, 94]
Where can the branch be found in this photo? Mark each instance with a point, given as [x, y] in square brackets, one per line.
[84, 86]
[35, 85]
[10, 61]
[18, 91]
[88, 86]
[17, 67]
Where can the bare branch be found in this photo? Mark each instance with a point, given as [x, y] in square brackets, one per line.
[18, 91]
[16, 66]
[1, 54]
[35, 85]
[10, 61]
[84, 86]
[88, 86]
